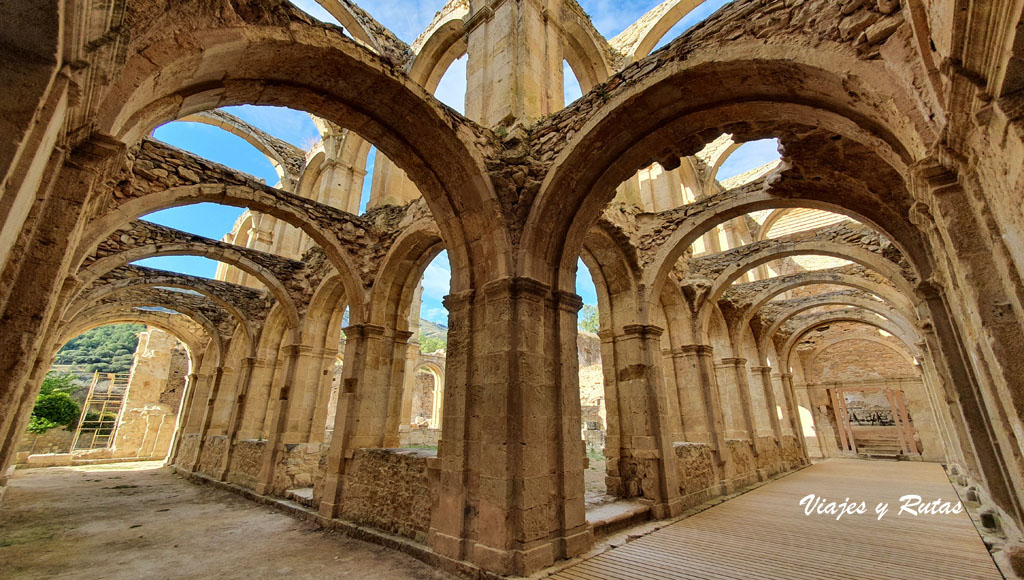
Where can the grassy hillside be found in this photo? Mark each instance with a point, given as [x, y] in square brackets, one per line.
[108, 349]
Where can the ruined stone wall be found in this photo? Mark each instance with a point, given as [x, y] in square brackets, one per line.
[423, 397]
[697, 481]
[391, 490]
[187, 450]
[147, 421]
[214, 448]
[740, 469]
[53, 441]
[245, 462]
[300, 465]
[858, 360]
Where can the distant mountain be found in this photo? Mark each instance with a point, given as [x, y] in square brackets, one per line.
[429, 329]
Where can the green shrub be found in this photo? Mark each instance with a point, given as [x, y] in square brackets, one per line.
[57, 408]
[39, 425]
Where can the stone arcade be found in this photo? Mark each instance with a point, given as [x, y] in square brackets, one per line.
[729, 354]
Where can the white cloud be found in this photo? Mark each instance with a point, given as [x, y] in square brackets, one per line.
[438, 314]
[437, 278]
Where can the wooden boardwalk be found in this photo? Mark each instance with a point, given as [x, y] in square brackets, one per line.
[765, 534]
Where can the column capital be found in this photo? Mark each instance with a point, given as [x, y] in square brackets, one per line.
[697, 349]
[568, 301]
[736, 361]
[364, 330]
[458, 299]
[643, 330]
[516, 286]
[403, 336]
[761, 369]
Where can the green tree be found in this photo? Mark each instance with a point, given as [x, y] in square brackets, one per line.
[53, 410]
[58, 383]
[588, 321]
[107, 349]
[431, 344]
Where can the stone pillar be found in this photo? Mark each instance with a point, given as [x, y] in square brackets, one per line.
[308, 376]
[514, 71]
[646, 464]
[341, 185]
[794, 417]
[207, 424]
[183, 415]
[411, 356]
[278, 421]
[195, 419]
[238, 411]
[701, 356]
[401, 379]
[369, 398]
[697, 420]
[769, 399]
[258, 395]
[511, 482]
[32, 287]
[739, 367]
[641, 458]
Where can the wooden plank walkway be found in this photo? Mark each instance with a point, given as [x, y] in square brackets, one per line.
[765, 533]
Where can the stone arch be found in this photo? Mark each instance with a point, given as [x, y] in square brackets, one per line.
[637, 41]
[400, 274]
[867, 338]
[272, 55]
[354, 21]
[651, 122]
[886, 293]
[717, 161]
[195, 339]
[615, 276]
[437, 403]
[584, 49]
[255, 199]
[771, 220]
[123, 308]
[845, 316]
[283, 166]
[858, 255]
[441, 44]
[169, 281]
[263, 388]
[97, 269]
[897, 318]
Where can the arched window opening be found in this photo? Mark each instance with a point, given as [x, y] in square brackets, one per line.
[570, 84]
[423, 403]
[593, 408]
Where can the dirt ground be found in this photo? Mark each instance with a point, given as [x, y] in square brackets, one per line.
[138, 520]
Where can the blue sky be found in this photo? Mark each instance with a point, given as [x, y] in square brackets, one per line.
[406, 18]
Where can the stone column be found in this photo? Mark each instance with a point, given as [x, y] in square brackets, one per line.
[195, 419]
[32, 287]
[238, 410]
[411, 356]
[794, 417]
[207, 423]
[697, 422]
[647, 462]
[369, 399]
[399, 383]
[701, 357]
[739, 366]
[183, 414]
[769, 399]
[511, 481]
[514, 71]
[307, 378]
